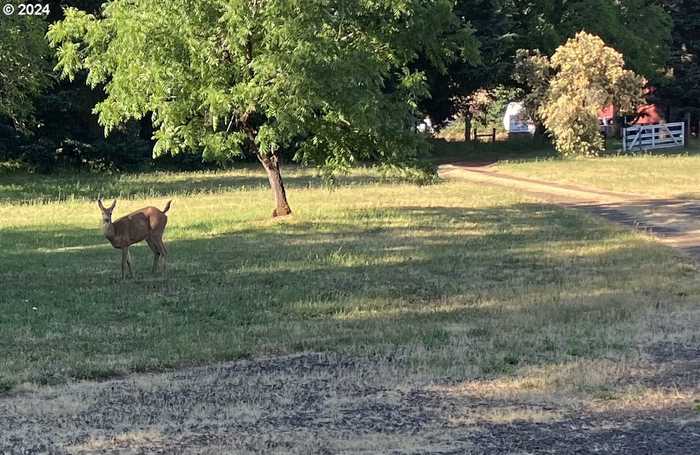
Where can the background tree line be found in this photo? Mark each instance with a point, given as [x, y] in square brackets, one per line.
[48, 122]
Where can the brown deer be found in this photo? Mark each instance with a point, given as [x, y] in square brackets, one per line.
[145, 224]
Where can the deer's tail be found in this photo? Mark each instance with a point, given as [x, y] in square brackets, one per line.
[167, 206]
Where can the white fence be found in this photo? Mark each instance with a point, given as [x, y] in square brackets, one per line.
[649, 137]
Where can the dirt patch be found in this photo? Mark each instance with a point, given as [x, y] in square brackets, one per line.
[322, 404]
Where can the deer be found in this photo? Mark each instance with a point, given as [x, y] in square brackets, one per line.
[146, 224]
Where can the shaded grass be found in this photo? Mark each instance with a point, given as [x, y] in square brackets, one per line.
[525, 148]
[451, 279]
[19, 187]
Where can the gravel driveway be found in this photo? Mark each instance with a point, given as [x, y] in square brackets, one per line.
[324, 404]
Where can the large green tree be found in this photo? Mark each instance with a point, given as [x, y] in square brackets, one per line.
[327, 78]
[24, 67]
[639, 29]
[453, 91]
[681, 88]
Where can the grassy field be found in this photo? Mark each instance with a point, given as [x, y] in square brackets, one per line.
[674, 174]
[449, 279]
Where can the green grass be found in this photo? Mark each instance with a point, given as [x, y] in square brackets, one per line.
[659, 174]
[451, 279]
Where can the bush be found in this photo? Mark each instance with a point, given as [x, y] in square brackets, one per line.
[126, 153]
[588, 76]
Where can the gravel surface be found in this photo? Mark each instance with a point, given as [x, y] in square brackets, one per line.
[326, 404]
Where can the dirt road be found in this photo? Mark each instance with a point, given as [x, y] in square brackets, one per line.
[675, 222]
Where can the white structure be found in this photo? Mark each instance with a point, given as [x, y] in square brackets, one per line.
[515, 120]
[426, 126]
[650, 137]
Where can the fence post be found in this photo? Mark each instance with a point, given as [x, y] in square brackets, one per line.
[686, 129]
[467, 126]
[476, 137]
[605, 140]
[624, 139]
[493, 135]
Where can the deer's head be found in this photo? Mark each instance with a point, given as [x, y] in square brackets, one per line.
[106, 211]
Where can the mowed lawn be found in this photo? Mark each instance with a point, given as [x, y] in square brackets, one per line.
[652, 175]
[447, 280]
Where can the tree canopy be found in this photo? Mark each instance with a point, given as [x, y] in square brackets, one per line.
[681, 87]
[177, 64]
[639, 29]
[24, 67]
[328, 79]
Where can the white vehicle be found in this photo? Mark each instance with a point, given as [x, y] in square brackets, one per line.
[516, 121]
[425, 126]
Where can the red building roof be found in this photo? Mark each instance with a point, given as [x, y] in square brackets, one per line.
[647, 114]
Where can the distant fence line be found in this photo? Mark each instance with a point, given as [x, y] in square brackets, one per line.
[650, 137]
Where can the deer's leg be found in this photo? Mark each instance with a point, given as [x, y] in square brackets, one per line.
[128, 263]
[162, 250]
[125, 253]
[156, 254]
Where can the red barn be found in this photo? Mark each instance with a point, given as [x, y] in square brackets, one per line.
[647, 114]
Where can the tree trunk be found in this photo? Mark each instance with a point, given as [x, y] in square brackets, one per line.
[540, 130]
[271, 163]
[467, 126]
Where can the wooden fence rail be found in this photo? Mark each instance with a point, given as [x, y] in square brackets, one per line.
[491, 135]
[650, 137]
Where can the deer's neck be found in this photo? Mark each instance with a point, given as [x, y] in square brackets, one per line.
[108, 229]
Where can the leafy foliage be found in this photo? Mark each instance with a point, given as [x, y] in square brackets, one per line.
[588, 75]
[533, 71]
[639, 29]
[24, 68]
[681, 87]
[485, 64]
[328, 79]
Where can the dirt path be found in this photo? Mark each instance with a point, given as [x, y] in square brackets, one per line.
[326, 404]
[675, 222]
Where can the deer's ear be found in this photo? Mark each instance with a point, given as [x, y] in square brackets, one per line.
[111, 207]
[99, 203]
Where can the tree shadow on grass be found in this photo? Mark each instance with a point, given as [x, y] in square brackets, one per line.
[520, 149]
[445, 284]
[32, 188]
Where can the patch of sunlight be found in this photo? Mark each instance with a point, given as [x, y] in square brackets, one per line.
[642, 398]
[72, 248]
[389, 310]
[139, 439]
[569, 383]
[503, 415]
